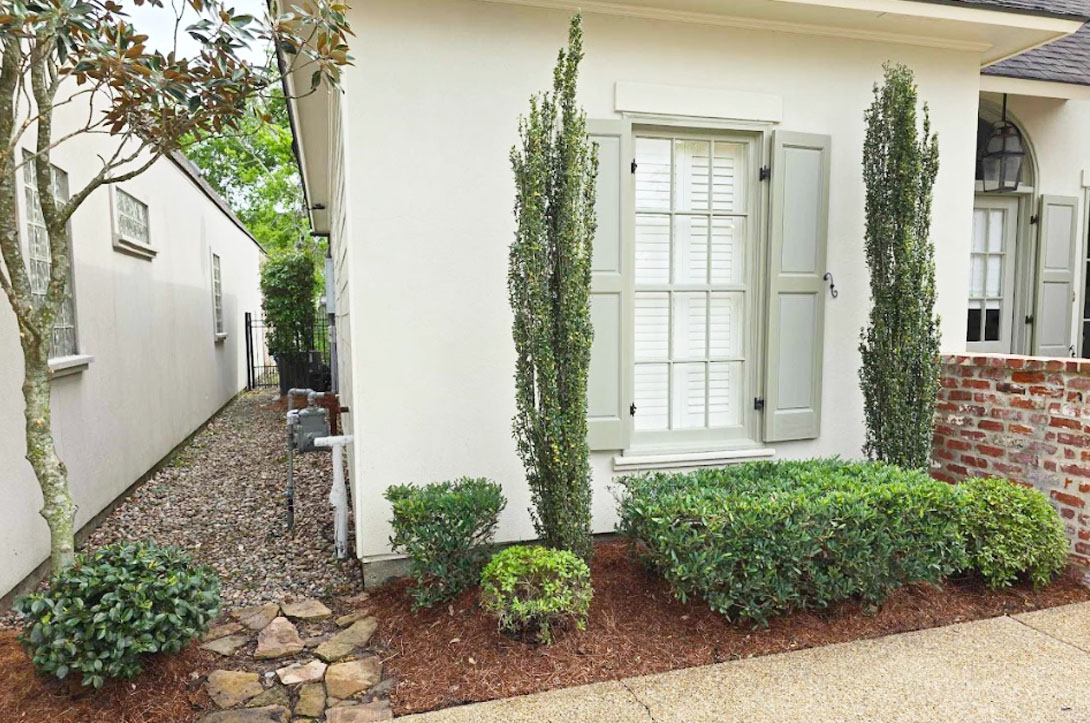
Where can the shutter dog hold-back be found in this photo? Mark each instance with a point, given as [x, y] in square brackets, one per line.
[832, 286]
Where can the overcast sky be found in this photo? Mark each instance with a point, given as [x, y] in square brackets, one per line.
[158, 24]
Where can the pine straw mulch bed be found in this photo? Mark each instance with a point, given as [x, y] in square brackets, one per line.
[451, 655]
[168, 690]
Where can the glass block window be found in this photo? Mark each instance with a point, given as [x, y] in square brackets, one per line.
[217, 295]
[132, 219]
[63, 341]
[690, 283]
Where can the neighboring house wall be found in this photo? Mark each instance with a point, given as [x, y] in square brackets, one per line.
[1024, 419]
[158, 369]
[433, 112]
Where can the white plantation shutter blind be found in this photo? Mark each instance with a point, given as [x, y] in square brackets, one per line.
[799, 226]
[608, 380]
[1056, 259]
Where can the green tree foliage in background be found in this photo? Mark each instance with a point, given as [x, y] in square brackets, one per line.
[900, 344]
[254, 169]
[287, 300]
[549, 287]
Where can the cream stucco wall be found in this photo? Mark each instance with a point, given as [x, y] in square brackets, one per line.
[158, 372]
[433, 101]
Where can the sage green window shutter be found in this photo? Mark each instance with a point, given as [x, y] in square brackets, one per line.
[1056, 258]
[608, 380]
[796, 290]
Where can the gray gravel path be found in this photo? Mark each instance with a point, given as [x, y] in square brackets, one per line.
[221, 498]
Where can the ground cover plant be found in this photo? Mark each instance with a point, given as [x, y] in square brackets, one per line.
[446, 530]
[757, 540]
[534, 590]
[102, 617]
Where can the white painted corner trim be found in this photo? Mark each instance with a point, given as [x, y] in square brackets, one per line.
[641, 462]
[683, 100]
[62, 366]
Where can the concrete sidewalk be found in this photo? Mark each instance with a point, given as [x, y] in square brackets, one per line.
[1029, 667]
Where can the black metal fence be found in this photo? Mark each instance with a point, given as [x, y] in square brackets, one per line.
[302, 368]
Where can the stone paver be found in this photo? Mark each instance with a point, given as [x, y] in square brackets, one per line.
[270, 714]
[226, 646]
[378, 710]
[306, 609]
[301, 672]
[229, 688]
[258, 616]
[984, 671]
[344, 643]
[344, 680]
[278, 639]
[220, 631]
[311, 701]
[1069, 623]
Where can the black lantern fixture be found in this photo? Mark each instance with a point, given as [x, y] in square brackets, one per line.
[1004, 154]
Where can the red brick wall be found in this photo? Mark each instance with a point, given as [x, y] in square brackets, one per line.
[1026, 419]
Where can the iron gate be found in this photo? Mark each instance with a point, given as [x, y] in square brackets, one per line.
[263, 368]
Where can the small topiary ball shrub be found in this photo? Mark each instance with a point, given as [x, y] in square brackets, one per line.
[533, 590]
[760, 539]
[103, 615]
[1011, 530]
[446, 530]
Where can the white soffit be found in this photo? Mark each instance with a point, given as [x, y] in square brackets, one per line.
[991, 34]
[656, 99]
[1034, 88]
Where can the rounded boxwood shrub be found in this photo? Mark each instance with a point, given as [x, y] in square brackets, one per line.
[446, 530]
[1011, 530]
[102, 616]
[760, 539]
[532, 590]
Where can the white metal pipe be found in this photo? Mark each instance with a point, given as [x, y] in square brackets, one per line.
[338, 495]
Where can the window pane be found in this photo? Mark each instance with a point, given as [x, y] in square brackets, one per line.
[976, 275]
[651, 388]
[991, 321]
[973, 332]
[724, 394]
[652, 326]
[652, 249]
[727, 250]
[132, 218]
[995, 230]
[691, 179]
[690, 249]
[726, 325]
[980, 230]
[995, 275]
[653, 174]
[690, 325]
[687, 409]
[727, 174]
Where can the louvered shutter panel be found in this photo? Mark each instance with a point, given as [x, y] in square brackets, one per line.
[796, 294]
[1057, 251]
[607, 413]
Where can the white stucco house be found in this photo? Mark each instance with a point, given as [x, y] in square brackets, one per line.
[149, 346]
[730, 199]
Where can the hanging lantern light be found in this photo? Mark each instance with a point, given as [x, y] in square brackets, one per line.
[1004, 154]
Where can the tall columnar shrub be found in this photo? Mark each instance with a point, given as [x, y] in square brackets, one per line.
[287, 299]
[900, 344]
[555, 168]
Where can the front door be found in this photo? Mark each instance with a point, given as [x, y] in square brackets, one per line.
[991, 274]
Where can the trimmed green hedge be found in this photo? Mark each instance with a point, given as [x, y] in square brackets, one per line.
[757, 540]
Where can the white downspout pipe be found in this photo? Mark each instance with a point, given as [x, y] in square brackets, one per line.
[338, 495]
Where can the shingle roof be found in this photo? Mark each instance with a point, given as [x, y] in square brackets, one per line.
[1058, 8]
[1066, 60]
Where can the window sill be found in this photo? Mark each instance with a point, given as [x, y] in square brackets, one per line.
[64, 366]
[134, 248]
[218, 338]
[639, 462]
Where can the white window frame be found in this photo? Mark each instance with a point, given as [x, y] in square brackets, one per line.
[75, 361]
[219, 327]
[127, 244]
[747, 434]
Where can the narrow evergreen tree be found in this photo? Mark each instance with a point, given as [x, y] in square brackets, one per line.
[549, 287]
[900, 345]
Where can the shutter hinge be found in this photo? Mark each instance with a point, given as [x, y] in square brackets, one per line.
[1034, 219]
[759, 403]
[1029, 318]
[765, 173]
[632, 409]
[634, 165]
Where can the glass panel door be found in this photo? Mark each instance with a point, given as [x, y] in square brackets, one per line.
[991, 274]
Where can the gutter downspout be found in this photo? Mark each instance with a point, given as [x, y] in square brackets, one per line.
[338, 495]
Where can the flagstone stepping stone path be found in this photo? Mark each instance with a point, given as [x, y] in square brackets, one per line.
[300, 664]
